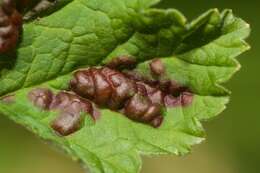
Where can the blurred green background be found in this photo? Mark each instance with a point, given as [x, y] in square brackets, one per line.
[233, 142]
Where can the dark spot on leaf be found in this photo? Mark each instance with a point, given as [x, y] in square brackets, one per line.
[154, 94]
[113, 89]
[95, 113]
[136, 107]
[103, 89]
[133, 75]
[172, 87]
[10, 25]
[171, 101]
[67, 123]
[9, 99]
[140, 108]
[122, 89]
[83, 83]
[139, 99]
[41, 98]
[71, 108]
[156, 122]
[122, 62]
[185, 99]
[70, 102]
[104, 86]
[157, 67]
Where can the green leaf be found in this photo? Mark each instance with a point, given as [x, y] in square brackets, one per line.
[199, 54]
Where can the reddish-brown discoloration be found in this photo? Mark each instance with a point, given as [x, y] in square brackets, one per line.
[67, 123]
[70, 107]
[96, 112]
[113, 89]
[70, 102]
[140, 108]
[122, 62]
[140, 100]
[133, 75]
[41, 97]
[185, 99]
[10, 25]
[104, 86]
[157, 121]
[9, 99]
[84, 83]
[169, 93]
[167, 86]
[154, 94]
[172, 87]
[157, 67]
[122, 89]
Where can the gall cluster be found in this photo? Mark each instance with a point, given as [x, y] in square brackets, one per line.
[139, 99]
[10, 25]
[112, 89]
[69, 105]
